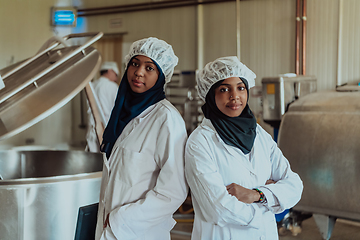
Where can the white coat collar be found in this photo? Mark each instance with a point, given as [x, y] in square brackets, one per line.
[206, 124]
[146, 112]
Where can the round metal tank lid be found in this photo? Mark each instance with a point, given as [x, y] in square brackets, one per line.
[334, 101]
[44, 85]
[348, 88]
[34, 166]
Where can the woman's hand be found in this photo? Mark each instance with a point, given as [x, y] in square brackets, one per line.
[244, 195]
[106, 221]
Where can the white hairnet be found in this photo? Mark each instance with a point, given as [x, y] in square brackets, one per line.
[220, 69]
[159, 51]
[110, 65]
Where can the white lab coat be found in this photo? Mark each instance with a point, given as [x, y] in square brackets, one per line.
[211, 165]
[106, 92]
[143, 181]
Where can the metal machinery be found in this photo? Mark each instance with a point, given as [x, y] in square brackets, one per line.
[320, 136]
[279, 92]
[182, 93]
[41, 191]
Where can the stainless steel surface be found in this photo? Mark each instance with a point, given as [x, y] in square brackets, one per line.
[43, 190]
[348, 88]
[181, 92]
[326, 224]
[96, 111]
[37, 87]
[320, 136]
[20, 65]
[279, 92]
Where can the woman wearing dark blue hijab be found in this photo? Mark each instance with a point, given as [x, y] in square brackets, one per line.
[143, 181]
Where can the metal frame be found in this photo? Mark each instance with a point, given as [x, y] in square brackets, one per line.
[96, 36]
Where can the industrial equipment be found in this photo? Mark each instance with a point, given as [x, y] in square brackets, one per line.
[182, 93]
[41, 191]
[279, 92]
[320, 136]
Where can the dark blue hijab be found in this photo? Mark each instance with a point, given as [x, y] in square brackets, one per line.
[238, 131]
[128, 105]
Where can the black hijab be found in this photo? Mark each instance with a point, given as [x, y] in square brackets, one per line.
[128, 105]
[238, 131]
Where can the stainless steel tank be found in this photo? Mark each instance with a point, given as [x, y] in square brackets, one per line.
[320, 136]
[41, 192]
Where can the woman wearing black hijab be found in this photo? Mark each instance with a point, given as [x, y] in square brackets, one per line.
[237, 175]
[143, 181]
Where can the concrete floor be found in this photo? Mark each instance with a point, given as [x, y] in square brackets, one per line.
[343, 230]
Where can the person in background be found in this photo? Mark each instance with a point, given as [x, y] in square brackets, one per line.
[143, 181]
[105, 88]
[238, 177]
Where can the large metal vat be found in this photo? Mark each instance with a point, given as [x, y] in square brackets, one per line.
[320, 135]
[41, 192]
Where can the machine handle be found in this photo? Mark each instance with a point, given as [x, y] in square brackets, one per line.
[96, 111]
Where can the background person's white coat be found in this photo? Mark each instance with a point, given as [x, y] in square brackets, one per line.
[211, 165]
[106, 92]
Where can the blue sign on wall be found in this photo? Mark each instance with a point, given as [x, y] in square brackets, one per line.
[64, 17]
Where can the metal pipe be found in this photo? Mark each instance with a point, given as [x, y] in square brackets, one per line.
[304, 37]
[238, 29]
[200, 36]
[297, 43]
[82, 109]
[143, 7]
[340, 37]
[96, 111]
[149, 4]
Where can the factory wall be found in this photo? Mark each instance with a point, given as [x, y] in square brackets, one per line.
[267, 36]
[266, 27]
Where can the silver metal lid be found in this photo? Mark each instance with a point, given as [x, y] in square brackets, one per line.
[348, 88]
[328, 101]
[284, 78]
[38, 86]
